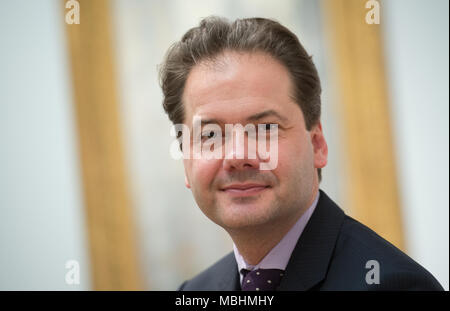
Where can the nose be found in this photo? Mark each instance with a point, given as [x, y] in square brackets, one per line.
[240, 153]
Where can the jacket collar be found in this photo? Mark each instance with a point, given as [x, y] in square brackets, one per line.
[310, 259]
[229, 279]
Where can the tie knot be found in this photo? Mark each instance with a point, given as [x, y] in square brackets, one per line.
[261, 279]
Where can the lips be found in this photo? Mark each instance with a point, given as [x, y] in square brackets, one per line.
[248, 189]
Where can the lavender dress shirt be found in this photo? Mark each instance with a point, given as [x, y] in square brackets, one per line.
[278, 257]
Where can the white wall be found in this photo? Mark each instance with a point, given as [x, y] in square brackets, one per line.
[41, 219]
[416, 37]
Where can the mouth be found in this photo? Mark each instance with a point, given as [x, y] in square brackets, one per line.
[243, 190]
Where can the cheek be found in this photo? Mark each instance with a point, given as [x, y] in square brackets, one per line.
[287, 160]
[294, 154]
[203, 172]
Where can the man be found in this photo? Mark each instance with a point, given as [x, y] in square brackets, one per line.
[287, 234]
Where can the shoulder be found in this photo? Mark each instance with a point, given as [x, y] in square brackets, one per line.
[360, 255]
[219, 276]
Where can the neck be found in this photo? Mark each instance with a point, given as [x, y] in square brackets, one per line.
[254, 243]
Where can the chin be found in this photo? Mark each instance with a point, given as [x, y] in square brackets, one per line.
[240, 216]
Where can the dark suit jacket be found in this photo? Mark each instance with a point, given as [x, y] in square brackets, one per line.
[331, 254]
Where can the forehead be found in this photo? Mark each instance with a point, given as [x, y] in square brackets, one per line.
[238, 83]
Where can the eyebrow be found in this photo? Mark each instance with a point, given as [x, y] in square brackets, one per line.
[255, 117]
[267, 113]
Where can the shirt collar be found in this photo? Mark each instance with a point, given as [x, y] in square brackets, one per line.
[279, 256]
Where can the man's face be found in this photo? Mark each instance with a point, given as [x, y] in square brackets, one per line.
[243, 88]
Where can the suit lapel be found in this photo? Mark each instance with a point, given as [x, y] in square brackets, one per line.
[228, 276]
[310, 259]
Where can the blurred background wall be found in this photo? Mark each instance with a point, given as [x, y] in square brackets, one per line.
[416, 45]
[42, 202]
[41, 209]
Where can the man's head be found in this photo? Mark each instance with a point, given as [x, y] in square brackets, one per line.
[251, 71]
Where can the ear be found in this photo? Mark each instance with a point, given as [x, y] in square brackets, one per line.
[320, 147]
[186, 182]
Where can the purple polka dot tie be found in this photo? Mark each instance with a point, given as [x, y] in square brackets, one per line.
[261, 279]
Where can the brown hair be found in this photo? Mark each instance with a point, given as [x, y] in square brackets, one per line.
[215, 35]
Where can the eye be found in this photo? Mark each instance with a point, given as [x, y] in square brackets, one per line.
[209, 134]
[269, 126]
